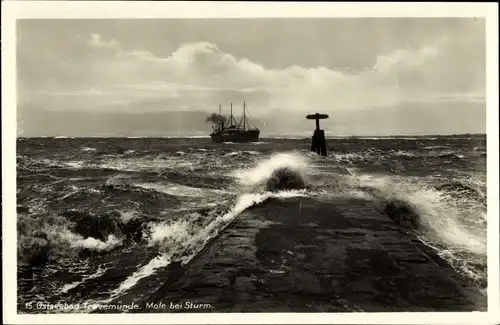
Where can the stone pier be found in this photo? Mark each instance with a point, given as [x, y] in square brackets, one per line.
[301, 255]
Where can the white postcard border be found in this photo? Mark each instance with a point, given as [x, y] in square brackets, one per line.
[13, 10]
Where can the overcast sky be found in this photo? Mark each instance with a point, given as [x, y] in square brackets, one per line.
[359, 66]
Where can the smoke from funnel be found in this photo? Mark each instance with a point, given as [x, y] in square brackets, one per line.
[216, 118]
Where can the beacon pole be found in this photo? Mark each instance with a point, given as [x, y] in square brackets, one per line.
[318, 144]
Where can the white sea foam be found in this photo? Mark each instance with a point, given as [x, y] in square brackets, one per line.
[72, 285]
[145, 271]
[351, 157]
[453, 223]
[239, 153]
[402, 153]
[126, 216]
[436, 147]
[266, 167]
[135, 164]
[62, 237]
[184, 238]
[75, 164]
[96, 244]
[180, 190]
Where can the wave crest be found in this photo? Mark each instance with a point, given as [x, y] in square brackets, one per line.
[284, 171]
[450, 218]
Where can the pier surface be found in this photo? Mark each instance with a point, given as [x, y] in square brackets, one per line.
[309, 256]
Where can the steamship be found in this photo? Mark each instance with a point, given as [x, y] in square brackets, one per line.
[233, 131]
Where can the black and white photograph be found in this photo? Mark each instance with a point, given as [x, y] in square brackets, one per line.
[258, 165]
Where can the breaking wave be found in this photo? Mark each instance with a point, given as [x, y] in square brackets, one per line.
[50, 242]
[280, 172]
[181, 240]
[450, 217]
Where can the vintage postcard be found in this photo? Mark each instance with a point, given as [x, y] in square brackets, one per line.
[245, 162]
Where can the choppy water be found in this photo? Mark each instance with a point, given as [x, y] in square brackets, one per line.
[98, 216]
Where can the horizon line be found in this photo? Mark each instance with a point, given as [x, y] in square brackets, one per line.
[277, 136]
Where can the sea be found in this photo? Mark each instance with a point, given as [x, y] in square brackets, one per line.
[98, 216]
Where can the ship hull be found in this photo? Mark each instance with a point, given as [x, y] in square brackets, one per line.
[236, 137]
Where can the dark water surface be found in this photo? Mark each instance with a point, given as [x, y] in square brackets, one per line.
[98, 218]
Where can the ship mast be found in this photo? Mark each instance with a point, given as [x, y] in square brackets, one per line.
[244, 117]
[221, 126]
[231, 119]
